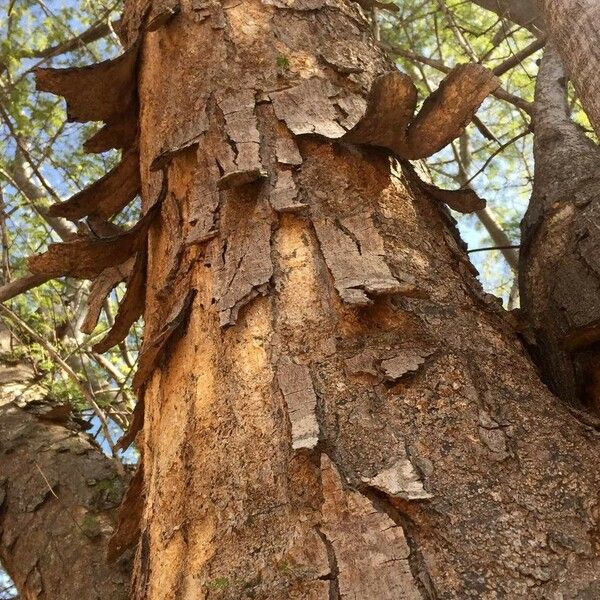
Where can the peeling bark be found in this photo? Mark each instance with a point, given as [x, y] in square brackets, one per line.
[100, 92]
[130, 308]
[120, 134]
[355, 255]
[429, 465]
[243, 262]
[86, 256]
[370, 550]
[296, 386]
[100, 289]
[105, 197]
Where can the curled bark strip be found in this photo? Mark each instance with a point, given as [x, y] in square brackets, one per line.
[131, 307]
[99, 92]
[130, 515]
[99, 291]
[136, 425]
[449, 109]
[464, 201]
[152, 350]
[107, 196]
[86, 257]
[120, 134]
[390, 108]
[296, 386]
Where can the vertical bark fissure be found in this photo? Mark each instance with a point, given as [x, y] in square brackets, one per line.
[415, 559]
[334, 572]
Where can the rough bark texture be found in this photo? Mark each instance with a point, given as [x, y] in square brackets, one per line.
[331, 406]
[574, 27]
[523, 12]
[327, 282]
[58, 499]
[560, 267]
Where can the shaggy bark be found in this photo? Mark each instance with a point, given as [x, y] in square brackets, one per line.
[573, 26]
[560, 271]
[58, 495]
[331, 406]
[330, 289]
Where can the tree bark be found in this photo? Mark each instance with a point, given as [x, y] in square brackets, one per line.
[573, 26]
[522, 12]
[560, 271]
[58, 495]
[332, 407]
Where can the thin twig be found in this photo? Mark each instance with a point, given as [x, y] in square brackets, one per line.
[489, 248]
[71, 374]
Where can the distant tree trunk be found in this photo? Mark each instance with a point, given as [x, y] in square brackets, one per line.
[560, 266]
[58, 499]
[574, 27]
[342, 412]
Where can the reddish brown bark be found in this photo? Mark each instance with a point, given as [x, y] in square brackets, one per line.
[345, 413]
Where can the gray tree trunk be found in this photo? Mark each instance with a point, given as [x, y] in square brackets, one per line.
[560, 270]
[574, 28]
[523, 12]
[58, 499]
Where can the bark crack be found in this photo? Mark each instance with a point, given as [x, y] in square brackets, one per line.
[333, 575]
[416, 561]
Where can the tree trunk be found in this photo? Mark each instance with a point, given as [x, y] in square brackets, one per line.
[333, 408]
[58, 495]
[522, 12]
[560, 269]
[573, 26]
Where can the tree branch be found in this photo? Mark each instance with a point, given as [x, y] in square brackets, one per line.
[522, 12]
